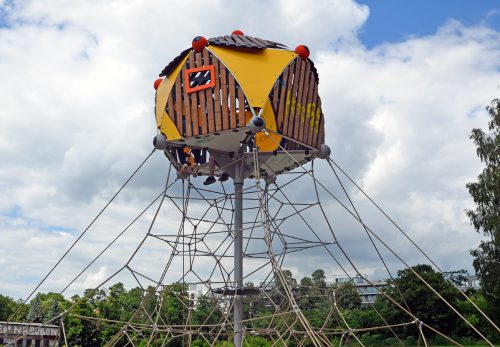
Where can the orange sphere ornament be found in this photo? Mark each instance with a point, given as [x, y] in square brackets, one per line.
[157, 83]
[237, 32]
[302, 51]
[199, 42]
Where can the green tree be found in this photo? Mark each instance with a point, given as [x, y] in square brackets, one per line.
[7, 307]
[486, 191]
[319, 278]
[207, 311]
[35, 313]
[486, 217]
[347, 296]
[81, 332]
[422, 302]
[53, 310]
[487, 265]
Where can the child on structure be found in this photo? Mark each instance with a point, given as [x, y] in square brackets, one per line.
[211, 173]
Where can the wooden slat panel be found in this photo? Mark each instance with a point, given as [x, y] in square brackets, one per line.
[257, 44]
[303, 105]
[321, 133]
[288, 98]
[296, 117]
[202, 113]
[223, 85]
[312, 115]
[261, 42]
[232, 101]
[247, 42]
[186, 108]
[293, 98]
[240, 40]
[284, 88]
[230, 40]
[209, 98]
[241, 108]
[194, 102]
[218, 115]
[178, 104]
[309, 105]
[315, 133]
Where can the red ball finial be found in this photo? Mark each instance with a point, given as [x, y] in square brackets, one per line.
[157, 83]
[302, 51]
[199, 42]
[237, 32]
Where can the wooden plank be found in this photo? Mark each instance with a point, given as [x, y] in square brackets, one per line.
[275, 100]
[310, 121]
[186, 108]
[230, 40]
[298, 105]
[309, 105]
[223, 86]
[293, 98]
[178, 104]
[284, 88]
[209, 98]
[194, 102]
[241, 108]
[256, 44]
[232, 101]
[218, 116]
[247, 41]
[240, 40]
[321, 132]
[262, 43]
[288, 96]
[170, 106]
[317, 116]
[303, 104]
[202, 113]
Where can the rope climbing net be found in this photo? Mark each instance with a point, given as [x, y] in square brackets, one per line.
[287, 221]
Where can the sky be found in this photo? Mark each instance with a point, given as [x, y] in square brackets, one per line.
[402, 85]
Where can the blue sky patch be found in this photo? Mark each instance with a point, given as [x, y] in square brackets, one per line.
[396, 20]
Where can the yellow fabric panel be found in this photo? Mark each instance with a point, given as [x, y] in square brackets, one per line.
[168, 128]
[256, 71]
[164, 89]
[265, 142]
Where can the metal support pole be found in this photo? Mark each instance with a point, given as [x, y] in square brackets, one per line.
[238, 255]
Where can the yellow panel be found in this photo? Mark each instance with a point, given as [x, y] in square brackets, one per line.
[168, 128]
[164, 89]
[256, 71]
[265, 142]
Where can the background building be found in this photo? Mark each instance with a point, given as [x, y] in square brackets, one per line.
[368, 292]
[37, 335]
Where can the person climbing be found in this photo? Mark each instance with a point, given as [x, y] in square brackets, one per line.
[187, 159]
[211, 173]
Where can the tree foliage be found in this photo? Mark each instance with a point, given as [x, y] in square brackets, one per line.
[486, 191]
[486, 216]
[314, 295]
[420, 300]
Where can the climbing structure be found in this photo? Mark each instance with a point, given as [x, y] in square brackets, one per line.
[208, 96]
[247, 109]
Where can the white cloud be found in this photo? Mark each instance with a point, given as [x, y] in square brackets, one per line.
[76, 119]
